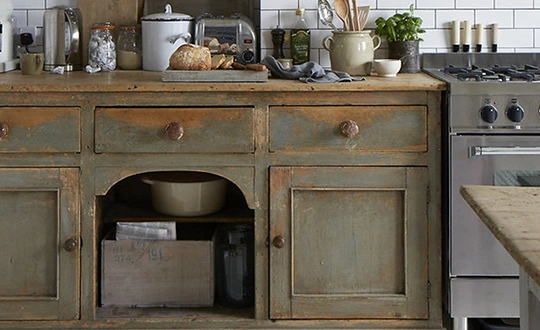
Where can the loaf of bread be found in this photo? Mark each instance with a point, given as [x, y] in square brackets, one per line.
[191, 57]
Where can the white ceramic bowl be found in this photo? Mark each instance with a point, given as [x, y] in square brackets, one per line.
[187, 194]
[386, 67]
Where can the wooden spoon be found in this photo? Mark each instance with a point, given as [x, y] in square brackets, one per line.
[355, 21]
[342, 10]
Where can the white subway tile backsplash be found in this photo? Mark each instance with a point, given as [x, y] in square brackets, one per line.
[35, 17]
[28, 4]
[526, 18]
[443, 17]
[517, 38]
[519, 26]
[439, 4]
[279, 4]
[270, 19]
[476, 4]
[513, 4]
[428, 18]
[505, 18]
[396, 4]
[437, 38]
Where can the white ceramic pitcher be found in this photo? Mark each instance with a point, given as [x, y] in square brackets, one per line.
[351, 51]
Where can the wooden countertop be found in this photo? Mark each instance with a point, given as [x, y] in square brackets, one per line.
[513, 216]
[146, 81]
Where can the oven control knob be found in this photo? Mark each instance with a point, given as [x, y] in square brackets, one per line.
[515, 113]
[488, 113]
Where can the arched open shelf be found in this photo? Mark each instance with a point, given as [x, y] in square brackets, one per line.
[128, 199]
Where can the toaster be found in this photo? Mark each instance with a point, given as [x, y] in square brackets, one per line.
[232, 36]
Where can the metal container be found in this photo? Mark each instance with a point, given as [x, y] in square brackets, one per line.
[62, 44]
[162, 34]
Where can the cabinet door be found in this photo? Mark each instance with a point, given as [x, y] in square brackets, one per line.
[348, 242]
[39, 244]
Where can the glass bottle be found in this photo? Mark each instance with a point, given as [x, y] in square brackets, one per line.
[101, 47]
[235, 282]
[128, 48]
[300, 39]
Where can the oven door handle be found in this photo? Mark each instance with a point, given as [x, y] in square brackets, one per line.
[503, 151]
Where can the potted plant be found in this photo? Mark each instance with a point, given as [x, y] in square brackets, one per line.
[402, 32]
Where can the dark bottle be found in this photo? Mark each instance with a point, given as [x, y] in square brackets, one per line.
[235, 281]
[300, 39]
[278, 37]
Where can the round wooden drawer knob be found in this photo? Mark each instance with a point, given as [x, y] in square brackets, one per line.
[349, 128]
[278, 242]
[71, 244]
[4, 130]
[174, 131]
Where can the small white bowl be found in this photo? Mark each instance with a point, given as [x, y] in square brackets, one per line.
[386, 67]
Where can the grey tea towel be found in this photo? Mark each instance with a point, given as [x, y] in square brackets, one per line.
[307, 72]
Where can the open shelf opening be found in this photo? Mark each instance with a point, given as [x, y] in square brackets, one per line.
[205, 271]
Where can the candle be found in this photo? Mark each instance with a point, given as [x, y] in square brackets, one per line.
[466, 33]
[479, 32]
[495, 38]
[466, 36]
[455, 36]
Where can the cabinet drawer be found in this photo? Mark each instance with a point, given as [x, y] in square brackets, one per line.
[39, 129]
[371, 128]
[174, 130]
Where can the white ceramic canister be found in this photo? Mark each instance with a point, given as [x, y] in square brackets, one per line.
[162, 34]
[351, 51]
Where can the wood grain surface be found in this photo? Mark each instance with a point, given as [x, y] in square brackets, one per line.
[513, 216]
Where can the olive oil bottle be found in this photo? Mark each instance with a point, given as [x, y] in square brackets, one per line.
[300, 39]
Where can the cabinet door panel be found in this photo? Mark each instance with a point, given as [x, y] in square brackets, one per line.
[355, 242]
[39, 211]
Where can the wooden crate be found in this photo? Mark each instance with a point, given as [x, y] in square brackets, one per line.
[139, 273]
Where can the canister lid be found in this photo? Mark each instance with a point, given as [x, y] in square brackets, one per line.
[168, 15]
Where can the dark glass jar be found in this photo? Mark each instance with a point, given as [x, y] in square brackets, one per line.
[235, 282]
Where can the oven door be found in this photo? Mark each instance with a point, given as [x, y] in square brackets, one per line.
[484, 160]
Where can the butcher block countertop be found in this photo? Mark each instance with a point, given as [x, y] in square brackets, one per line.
[145, 81]
[513, 216]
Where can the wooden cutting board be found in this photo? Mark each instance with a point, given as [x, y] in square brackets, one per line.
[117, 11]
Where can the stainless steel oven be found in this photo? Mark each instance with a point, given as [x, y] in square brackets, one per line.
[492, 137]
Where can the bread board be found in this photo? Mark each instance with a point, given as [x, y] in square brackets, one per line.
[222, 76]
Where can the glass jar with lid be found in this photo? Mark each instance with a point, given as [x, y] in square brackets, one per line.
[128, 48]
[101, 47]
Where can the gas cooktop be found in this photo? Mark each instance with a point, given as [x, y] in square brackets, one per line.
[484, 67]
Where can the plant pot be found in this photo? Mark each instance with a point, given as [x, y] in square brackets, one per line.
[409, 54]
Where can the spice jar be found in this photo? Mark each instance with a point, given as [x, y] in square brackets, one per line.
[128, 48]
[101, 47]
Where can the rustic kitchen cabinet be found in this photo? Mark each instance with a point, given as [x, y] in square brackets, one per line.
[39, 221]
[341, 183]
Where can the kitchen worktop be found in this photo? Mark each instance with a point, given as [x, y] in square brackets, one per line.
[146, 81]
[513, 216]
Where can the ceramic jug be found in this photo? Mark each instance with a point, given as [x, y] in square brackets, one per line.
[351, 51]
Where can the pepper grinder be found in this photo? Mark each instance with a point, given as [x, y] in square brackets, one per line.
[278, 38]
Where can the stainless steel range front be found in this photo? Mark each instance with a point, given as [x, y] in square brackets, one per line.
[493, 138]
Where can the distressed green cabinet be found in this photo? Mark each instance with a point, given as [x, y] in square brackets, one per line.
[348, 242]
[39, 244]
[340, 181]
